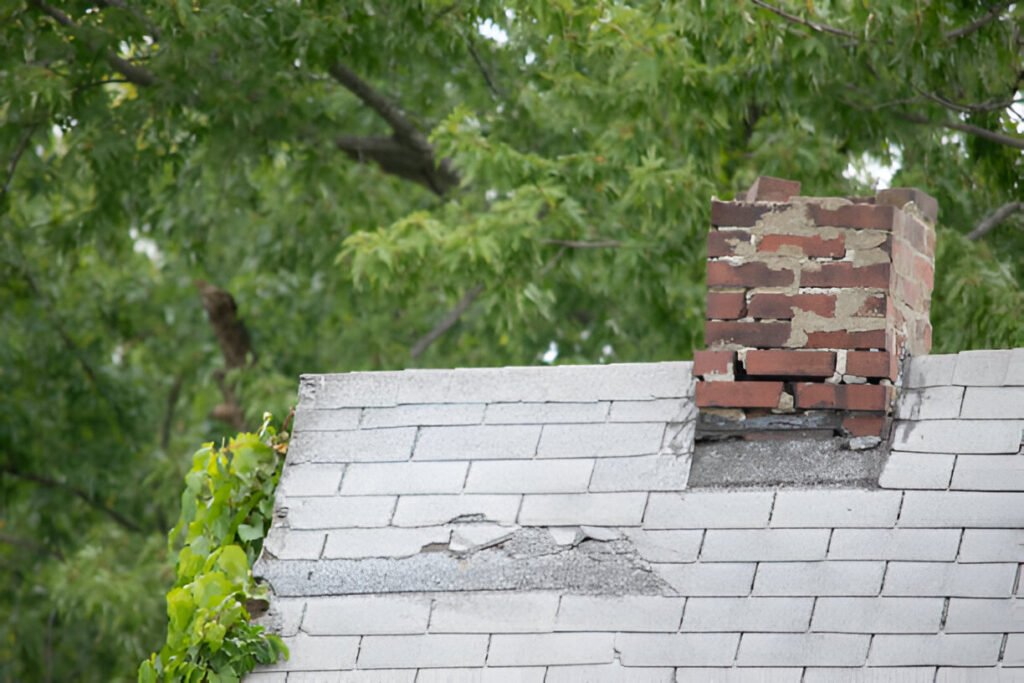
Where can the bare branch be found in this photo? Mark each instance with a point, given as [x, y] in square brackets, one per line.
[583, 244]
[986, 19]
[19, 150]
[235, 345]
[978, 131]
[491, 85]
[967, 108]
[440, 177]
[447, 322]
[794, 19]
[81, 494]
[993, 219]
[134, 73]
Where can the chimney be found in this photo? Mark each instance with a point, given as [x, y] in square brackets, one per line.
[812, 304]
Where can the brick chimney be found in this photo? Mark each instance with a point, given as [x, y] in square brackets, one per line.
[812, 304]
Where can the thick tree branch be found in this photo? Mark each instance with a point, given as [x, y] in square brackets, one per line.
[993, 219]
[400, 160]
[134, 73]
[235, 345]
[81, 494]
[447, 322]
[977, 131]
[440, 177]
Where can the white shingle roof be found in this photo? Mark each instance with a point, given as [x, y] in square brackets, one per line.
[534, 524]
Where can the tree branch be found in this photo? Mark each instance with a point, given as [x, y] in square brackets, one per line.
[447, 322]
[986, 19]
[978, 131]
[491, 85]
[397, 159]
[136, 74]
[81, 494]
[235, 345]
[19, 150]
[794, 19]
[993, 219]
[439, 177]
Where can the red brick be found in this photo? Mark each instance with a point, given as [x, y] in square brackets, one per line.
[844, 274]
[924, 271]
[898, 196]
[809, 245]
[874, 339]
[902, 256]
[910, 292]
[867, 363]
[780, 306]
[736, 214]
[769, 189]
[726, 305]
[864, 216]
[914, 231]
[713, 362]
[723, 242]
[790, 363]
[722, 273]
[873, 306]
[752, 334]
[842, 396]
[866, 425]
[738, 394]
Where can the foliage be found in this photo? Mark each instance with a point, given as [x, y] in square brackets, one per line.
[226, 510]
[534, 173]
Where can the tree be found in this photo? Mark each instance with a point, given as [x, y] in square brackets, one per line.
[372, 185]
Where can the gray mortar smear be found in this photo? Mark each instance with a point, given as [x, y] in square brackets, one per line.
[528, 560]
[810, 462]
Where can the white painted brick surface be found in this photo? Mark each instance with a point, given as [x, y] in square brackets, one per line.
[948, 674]
[529, 476]
[494, 612]
[981, 368]
[476, 442]
[340, 513]
[663, 410]
[645, 473]
[802, 649]
[959, 436]
[994, 403]
[596, 509]
[423, 415]
[363, 445]
[904, 470]
[546, 413]
[600, 440]
[671, 649]
[319, 653]
[764, 545]
[819, 578]
[1014, 654]
[985, 616]
[432, 510]
[894, 544]
[735, 615]
[366, 615]
[388, 542]
[989, 473]
[309, 480]
[946, 579]
[933, 403]
[267, 677]
[835, 508]
[532, 674]
[992, 545]
[364, 479]
[919, 650]
[608, 673]
[286, 544]
[422, 651]
[666, 546]
[309, 420]
[371, 676]
[551, 648]
[959, 508]
[902, 674]
[709, 509]
[1015, 371]
[718, 579]
[746, 675]
[619, 613]
[877, 615]
[931, 371]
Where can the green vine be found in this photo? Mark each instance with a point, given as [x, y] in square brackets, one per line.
[226, 510]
